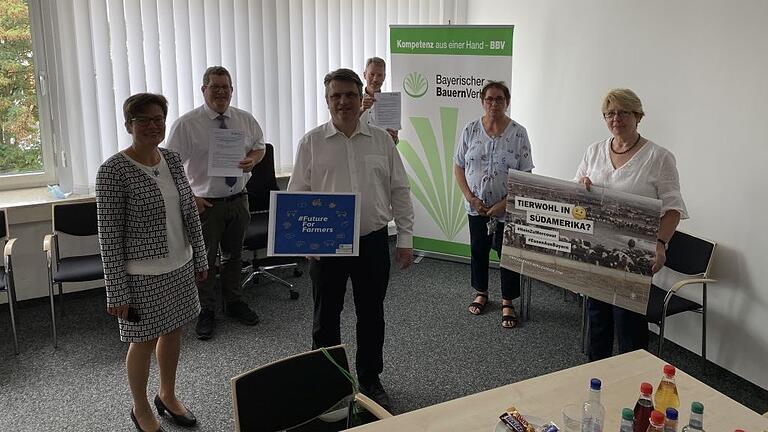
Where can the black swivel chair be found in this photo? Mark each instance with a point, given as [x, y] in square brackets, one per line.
[6, 275]
[296, 393]
[691, 257]
[74, 219]
[263, 180]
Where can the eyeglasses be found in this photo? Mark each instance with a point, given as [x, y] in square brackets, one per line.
[499, 100]
[613, 114]
[348, 95]
[219, 88]
[145, 121]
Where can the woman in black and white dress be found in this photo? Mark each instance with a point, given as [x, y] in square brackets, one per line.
[153, 252]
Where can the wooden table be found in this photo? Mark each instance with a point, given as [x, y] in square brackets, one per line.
[545, 396]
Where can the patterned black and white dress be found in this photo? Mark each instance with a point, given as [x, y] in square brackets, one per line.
[143, 265]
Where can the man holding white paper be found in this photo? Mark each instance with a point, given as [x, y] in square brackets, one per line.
[219, 145]
[375, 73]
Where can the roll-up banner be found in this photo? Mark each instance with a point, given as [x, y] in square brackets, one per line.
[441, 70]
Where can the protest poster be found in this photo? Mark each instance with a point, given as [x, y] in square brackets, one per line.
[600, 243]
[316, 224]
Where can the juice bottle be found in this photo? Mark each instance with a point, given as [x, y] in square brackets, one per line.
[593, 414]
[627, 424]
[670, 424]
[656, 422]
[666, 392]
[696, 423]
[643, 408]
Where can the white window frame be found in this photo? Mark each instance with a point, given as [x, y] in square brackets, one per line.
[40, 33]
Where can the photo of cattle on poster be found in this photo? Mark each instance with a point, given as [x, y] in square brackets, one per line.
[600, 242]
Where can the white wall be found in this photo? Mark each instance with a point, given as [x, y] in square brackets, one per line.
[701, 69]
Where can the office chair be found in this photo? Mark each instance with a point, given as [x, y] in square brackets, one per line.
[75, 219]
[263, 180]
[691, 257]
[297, 391]
[6, 276]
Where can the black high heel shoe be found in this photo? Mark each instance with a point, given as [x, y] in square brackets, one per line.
[136, 423]
[185, 420]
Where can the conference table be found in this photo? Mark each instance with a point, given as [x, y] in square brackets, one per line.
[546, 395]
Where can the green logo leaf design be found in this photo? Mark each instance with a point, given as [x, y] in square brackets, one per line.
[415, 85]
[432, 182]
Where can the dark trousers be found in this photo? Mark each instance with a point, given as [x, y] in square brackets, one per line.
[224, 227]
[480, 244]
[631, 329]
[370, 276]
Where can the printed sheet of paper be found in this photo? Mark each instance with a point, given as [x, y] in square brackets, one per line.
[386, 110]
[226, 150]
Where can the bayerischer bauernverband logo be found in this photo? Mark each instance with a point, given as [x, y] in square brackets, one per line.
[415, 85]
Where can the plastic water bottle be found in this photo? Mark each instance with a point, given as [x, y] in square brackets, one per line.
[656, 422]
[696, 423]
[593, 416]
[666, 392]
[627, 420]
[670, 424]
[643, 407]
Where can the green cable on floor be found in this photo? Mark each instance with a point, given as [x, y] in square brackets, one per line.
[351, 379]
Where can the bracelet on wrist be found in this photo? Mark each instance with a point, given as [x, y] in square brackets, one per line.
[663, 243]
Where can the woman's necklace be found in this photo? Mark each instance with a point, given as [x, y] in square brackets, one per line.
[625, 151]
[153, 170]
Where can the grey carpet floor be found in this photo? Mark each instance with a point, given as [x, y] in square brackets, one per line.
[435, 351]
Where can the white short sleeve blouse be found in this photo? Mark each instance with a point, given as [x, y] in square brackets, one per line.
[651, 172]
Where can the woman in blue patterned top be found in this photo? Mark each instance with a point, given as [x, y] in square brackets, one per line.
[489, 148]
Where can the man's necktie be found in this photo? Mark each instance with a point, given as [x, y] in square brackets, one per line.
[230, 181]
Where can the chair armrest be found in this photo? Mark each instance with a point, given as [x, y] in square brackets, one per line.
[47, 242]
[372, 407]
[684, 282]
[8, 251]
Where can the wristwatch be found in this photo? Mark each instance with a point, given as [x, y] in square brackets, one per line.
[666, 246]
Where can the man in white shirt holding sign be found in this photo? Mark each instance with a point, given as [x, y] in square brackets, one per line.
[375, 73]
[348, 155]
[204, 138]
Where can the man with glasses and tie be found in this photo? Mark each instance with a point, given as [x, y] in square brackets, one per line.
[221, 201]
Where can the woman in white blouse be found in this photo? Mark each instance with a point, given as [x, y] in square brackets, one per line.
[629, 163]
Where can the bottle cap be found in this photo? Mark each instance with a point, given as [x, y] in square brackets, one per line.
[657, 417]
[646, 388]
[595, 384]
[669, 370]
[697, 407]
[671, 413]
[627, 414]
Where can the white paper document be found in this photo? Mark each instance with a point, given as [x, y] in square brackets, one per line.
[386, 110]
[226, 150]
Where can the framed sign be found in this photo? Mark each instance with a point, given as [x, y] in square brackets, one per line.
[311, 223]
